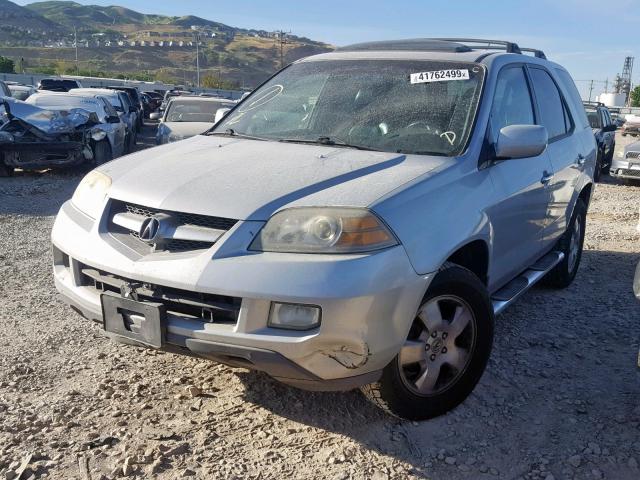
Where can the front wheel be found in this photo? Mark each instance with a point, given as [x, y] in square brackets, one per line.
[101, 152]
[571, 245]
[445, 352]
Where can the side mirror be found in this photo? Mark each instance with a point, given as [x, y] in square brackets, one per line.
[521, 141]
[132, 109]
[113, 119]
[220, 114]
[155, 116]
[610, 128]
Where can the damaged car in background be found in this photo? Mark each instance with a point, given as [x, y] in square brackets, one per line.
[35, 138]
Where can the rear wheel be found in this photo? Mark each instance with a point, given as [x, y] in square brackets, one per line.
[571, 245]
[445, 353]
[598, 170]
[5, 170]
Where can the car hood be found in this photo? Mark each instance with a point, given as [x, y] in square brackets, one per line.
[251, 179]
[188, 129]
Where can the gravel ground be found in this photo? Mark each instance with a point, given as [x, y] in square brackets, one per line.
[560, 398]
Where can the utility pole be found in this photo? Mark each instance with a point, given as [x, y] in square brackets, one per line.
[75, 42]
[590, 89]
[198, 59]
[282, 37]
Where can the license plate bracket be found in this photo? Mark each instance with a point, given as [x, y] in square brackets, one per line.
[143, 322]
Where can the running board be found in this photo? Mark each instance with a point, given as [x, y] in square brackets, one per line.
[527, 279]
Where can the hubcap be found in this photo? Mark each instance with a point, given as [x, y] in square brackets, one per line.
[574, 243]
[439, 346]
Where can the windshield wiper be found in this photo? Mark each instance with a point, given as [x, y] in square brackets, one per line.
[230, 132]
[327, 141]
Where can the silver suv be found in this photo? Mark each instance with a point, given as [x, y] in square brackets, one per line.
[357, 221]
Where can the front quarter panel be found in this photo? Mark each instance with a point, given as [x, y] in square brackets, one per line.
[440, 213]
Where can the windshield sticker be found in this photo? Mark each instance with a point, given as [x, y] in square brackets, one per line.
[439, 76]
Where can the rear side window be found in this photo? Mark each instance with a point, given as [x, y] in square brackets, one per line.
[550, 104]
[571, 94]
[512, 101]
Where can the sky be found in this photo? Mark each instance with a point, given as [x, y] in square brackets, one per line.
[587, 37]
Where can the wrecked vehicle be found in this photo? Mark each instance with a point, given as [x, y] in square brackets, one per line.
[34, 138]
[357, 221]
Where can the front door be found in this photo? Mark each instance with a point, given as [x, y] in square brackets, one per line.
[519, 214]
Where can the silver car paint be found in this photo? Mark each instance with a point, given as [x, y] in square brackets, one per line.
[214, 176]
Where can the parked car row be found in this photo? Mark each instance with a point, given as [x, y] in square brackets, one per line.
[63, 124]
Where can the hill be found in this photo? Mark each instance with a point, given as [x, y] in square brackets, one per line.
[14, 19]
[118, 41]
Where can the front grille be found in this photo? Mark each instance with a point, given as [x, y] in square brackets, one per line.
[629, 173]
[633, 154]
[206, 307]
[180, 219]
[219, 223]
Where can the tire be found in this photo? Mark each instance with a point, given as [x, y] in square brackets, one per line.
[398, 391]
[598, 169]
[563, 274]
[131, 142]
[101, 153]
[5, 170]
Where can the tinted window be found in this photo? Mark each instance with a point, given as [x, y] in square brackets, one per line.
[512, 101]
[550, 104]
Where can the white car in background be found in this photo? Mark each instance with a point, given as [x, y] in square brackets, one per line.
[120, 101]
[188, 116]
[112, 145]
[21, 92]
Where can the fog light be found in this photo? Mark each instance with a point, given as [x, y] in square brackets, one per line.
[293, 316]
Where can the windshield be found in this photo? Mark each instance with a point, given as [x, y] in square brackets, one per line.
[421, 107]
[64, 102]
[20, 94]
[193, 110]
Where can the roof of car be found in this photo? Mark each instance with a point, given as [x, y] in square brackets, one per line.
[444, 49]
[93, 91]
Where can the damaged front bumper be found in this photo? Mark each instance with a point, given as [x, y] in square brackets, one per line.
[368, 302]
[33, 137]
[34, 155]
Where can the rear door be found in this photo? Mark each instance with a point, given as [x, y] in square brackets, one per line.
[564, 151]
[519, 214]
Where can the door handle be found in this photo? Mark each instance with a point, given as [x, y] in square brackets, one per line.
[580, 160]
[546, 177]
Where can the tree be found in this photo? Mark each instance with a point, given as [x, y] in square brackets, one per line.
[6, 65]
[635, 97]
[214, 81]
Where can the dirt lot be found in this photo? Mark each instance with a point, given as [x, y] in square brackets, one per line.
[560, 398]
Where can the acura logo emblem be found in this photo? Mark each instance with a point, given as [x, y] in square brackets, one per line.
[149, 229]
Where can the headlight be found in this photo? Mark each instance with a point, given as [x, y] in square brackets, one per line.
[323, 230]
[91, 192]
[620, 154]
[98, 135]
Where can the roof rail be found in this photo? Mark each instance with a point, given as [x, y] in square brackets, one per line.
[509, 47]
[537, 53]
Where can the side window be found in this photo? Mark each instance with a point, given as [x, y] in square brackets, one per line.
[553, 114]
[111, 112]
[512, 101]
[571, 94]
